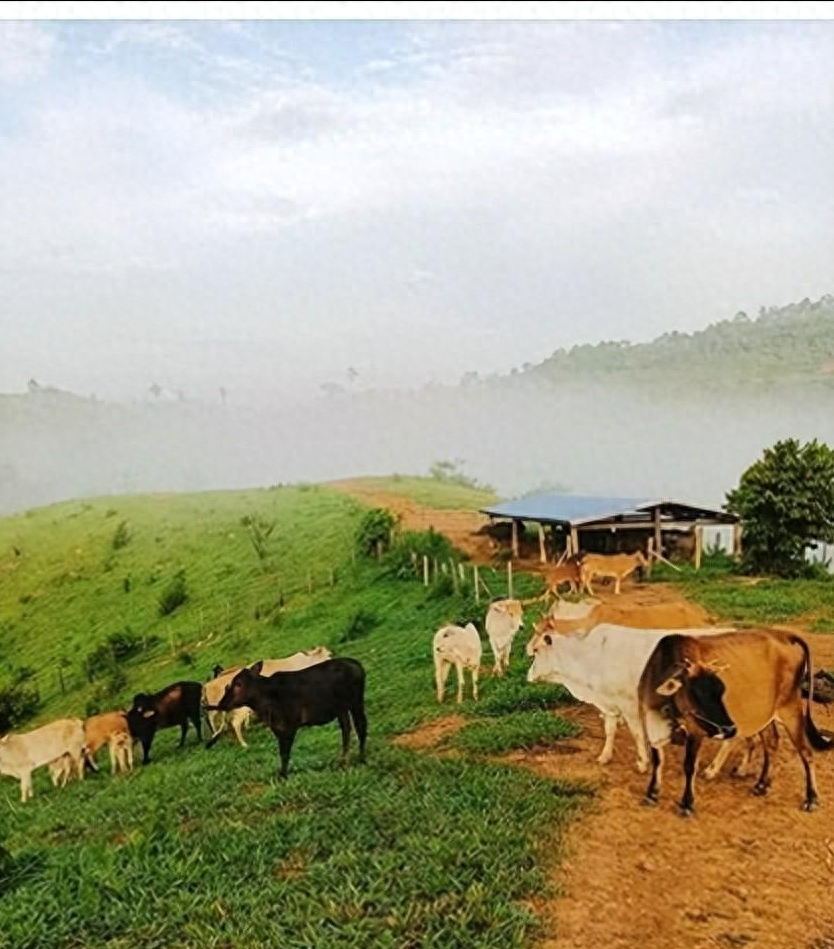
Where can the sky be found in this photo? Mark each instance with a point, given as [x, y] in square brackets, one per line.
[264, 205]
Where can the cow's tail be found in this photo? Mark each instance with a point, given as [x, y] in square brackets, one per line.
[819, 742]
[87, 757]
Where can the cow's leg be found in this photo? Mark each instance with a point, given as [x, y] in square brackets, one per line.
[284, 748]
[686, 805]
[635, 726]
[763, 781]
[475, 672]
[459, 671]
[146, 749]
[25, 786]
[238, 721]
[653, 790]
[609, 721]
[78, 760]
[793, 718]
[197, 723]
[617, 585]
[183, 732]
[714, 768]
[344, 725]
[360, 724]
[441, 673]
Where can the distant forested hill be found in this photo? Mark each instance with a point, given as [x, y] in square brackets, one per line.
[794, 342]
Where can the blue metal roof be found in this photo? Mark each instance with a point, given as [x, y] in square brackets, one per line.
[564, 508]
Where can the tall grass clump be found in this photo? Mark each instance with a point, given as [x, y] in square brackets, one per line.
[174, 595]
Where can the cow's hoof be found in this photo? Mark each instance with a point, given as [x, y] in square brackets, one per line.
[684, 810]
[760, 789]
[649, 801]
[709, 775]
[810, 806]
[642, 767]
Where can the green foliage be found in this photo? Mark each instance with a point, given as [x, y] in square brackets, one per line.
[374, 530]
[121, 536]
[512, 731]
[786, 504]
[174, 595]
[430, 543]
[116, 648]
[18, 703]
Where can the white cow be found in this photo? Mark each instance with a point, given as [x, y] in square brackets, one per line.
[503, 620]
[458, 646]
[21, 754]
[239, 718]
[603, 668]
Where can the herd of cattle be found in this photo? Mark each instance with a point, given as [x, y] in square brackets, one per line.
[308, 688]
[680, 686]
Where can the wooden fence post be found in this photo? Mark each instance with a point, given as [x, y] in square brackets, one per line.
[425, 570]
[509, 579]
[477, 581]
[455, 576]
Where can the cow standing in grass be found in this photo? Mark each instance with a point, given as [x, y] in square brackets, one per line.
[503, 620]
[21, 754]
[177, 704]
[458, 646]
[287, 701]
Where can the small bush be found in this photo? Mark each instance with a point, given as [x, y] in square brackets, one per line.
[116, 648]
[374, 530]
[18, 702]
[174, 595]
[121, 536]
[428, 543]
[358, 626]
[186, 658]
[126, 584]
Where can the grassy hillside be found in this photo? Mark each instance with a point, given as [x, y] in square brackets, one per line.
[205, 848]
[794, 342]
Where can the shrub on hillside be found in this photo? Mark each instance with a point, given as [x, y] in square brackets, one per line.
[450, 472]
[116, 648]
[786, 504]
[121, 536]
[406, 556]
[174, 595]
[359, 625]
[18, 702]
[374, 531]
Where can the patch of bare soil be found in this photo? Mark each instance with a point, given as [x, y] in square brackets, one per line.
[430, 734]
[461, 527]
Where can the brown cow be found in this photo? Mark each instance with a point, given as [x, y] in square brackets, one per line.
[568, 571]
[727, 684]
[104, 729]
[616, 566]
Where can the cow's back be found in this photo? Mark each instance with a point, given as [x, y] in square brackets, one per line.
[42, 745]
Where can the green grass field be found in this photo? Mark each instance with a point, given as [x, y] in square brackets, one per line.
[206, 848]
[749, 601]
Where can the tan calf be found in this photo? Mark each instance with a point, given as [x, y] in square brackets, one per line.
[614, 566]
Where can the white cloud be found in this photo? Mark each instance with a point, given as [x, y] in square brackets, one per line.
[25, 51]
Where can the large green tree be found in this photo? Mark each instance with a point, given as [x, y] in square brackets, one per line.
[786, 504]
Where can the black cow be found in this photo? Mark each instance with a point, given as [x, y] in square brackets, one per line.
[287, 701]
[177, 704]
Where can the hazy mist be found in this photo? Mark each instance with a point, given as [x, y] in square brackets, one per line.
[273, 207]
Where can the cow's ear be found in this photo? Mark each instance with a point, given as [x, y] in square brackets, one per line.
[548, 639]
[256, 668]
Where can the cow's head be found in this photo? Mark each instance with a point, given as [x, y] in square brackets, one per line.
[143, 705]
[511, 610]
[697, 692]
[545, 648]
[240, 690]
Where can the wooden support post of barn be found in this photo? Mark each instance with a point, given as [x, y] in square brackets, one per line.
[658, 535]
[515, 538]
[542, 546]
[509, 579]
[649, 555]
[477, 582]
[574, 541]
[699, 543]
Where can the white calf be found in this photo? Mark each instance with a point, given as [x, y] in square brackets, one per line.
[458, 646]
[503, 620]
